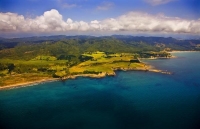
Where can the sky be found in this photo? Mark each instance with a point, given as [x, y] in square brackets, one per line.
[21, 18]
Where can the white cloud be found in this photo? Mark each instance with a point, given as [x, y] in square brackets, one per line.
[52, 21]
[94, 25]
[69, 21]
[95, 22]
[11, 21]
[105, 6]
[158, 2]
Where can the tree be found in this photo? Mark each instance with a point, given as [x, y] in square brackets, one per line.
[11, 67]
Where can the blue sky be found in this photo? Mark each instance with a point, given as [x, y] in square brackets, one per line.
[96, 17]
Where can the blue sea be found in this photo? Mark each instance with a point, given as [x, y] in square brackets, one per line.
[130, 100]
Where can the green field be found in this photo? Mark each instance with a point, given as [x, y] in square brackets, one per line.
[102, 62]
[42, 67]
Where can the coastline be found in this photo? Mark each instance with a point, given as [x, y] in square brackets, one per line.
[147, 68]
[24, 84]
[174, 52]
[155, 58]
[181, 51]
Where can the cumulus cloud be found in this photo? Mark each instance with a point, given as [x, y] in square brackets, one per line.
[158, 2]
[52, 21]
[105, 6]
[143, 22]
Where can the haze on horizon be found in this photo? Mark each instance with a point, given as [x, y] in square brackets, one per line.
[95, 17]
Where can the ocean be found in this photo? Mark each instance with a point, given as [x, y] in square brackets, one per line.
[130, 100]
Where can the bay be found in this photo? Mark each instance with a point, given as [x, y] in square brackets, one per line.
[130, 100]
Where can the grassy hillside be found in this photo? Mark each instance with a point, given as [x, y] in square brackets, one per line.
[29, 59]
[13, 71]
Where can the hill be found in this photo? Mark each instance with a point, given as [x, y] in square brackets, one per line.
[134, 41]
[36, 58]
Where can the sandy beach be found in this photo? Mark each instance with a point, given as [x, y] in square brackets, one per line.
[28, 83]
[181, 51]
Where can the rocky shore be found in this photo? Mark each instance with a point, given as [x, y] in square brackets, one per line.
[100, 75]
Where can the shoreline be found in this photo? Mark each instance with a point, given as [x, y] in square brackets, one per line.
[24, 84]
[182, 51]
[155, 58]
[147, 68]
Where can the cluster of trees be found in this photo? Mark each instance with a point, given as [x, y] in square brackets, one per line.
[71, 48]
[83, 58]
[155, 54]
[10, 67]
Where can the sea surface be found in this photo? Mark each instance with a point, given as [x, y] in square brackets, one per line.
[130, 100]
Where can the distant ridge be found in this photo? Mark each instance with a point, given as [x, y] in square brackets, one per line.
[188, 44]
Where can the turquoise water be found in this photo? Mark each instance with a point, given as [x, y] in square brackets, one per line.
[130, 100]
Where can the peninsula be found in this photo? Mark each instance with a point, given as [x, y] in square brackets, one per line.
[26, 61]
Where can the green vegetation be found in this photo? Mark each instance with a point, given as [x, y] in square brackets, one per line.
[102, 62]
[25, 60]
[47, 58]
[22, 78]
[41, 67]
[161, 54]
